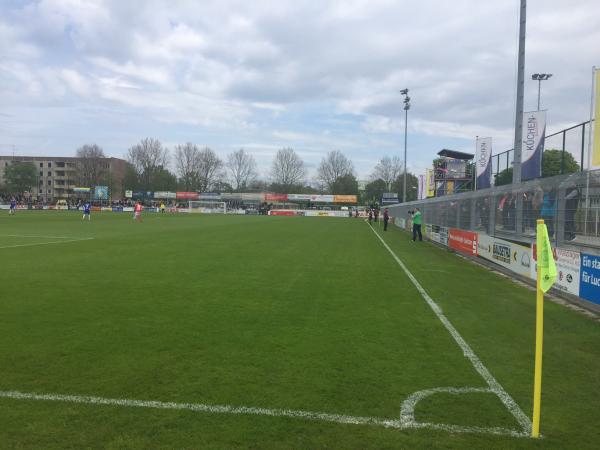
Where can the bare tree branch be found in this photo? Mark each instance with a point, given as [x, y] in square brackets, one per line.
[148, 158]
[288, 169]
[388, 169]
[209, 169]
[187, 165]
[92, 167]
[242, 167]
[334, 166]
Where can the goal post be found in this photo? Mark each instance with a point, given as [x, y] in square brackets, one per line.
[207, 207]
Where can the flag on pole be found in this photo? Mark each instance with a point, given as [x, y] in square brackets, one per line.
[546, 276]
[483, 162]
[534, 134]
[545, 260]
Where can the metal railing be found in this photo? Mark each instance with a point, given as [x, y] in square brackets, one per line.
[570, 205]
[572, 140]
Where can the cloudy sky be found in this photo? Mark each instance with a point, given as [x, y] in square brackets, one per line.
[312, 75]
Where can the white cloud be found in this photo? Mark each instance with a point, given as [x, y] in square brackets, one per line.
[312, 75]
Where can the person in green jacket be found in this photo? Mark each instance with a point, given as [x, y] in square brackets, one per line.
[417, 225]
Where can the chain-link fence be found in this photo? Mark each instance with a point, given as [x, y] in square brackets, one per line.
[569, 204]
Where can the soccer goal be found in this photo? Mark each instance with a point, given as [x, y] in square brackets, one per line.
[207, 207]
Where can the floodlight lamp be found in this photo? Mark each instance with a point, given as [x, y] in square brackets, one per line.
[535, 76]
[407, 99]
[407, 107]
[404, 91]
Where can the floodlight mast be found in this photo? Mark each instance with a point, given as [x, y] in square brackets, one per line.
[539, 77]
[520, 91]
[404, 92]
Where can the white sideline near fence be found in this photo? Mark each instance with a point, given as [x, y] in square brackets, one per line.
[493, 384]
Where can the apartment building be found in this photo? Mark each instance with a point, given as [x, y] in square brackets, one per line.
[57, 176]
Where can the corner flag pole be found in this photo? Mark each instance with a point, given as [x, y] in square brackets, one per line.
[539, 339]
[546, 276]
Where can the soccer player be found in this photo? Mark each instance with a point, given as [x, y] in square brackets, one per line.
[87, 211]
[13, 206]
[162, 207]
[137, 215]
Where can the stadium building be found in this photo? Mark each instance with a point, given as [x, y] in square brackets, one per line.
[57, 176]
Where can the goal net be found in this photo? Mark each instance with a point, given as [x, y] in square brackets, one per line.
[207, 207]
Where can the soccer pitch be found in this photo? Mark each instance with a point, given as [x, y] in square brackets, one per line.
[198, 331]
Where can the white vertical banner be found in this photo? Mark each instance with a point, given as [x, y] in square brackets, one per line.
[534, 133]
[483, 162]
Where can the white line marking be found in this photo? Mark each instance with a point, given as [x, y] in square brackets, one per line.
[37, 236]
[45, 243]
[227, 409]
[223, 409]
[495, 387]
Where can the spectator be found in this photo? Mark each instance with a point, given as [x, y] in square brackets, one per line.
[572, 195]
[549, 211]
[416, 229]
[386, 219]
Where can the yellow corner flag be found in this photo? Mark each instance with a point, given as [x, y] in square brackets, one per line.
[545, 259]
[546, 276]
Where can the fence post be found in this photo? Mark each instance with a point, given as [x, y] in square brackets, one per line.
[562, 155]
[491, 231]
[582, 145]
[518, 213]
[473, 204]
[559, 235]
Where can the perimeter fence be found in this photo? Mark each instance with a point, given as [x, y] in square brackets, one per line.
[570, 205]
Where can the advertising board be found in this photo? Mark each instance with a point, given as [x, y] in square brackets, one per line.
[513, 256]
[589, 282]
[187, 195]
[166, 195]
[463, 241]
[276, 197]
[437, 234]
[567, 266]
[344, 199]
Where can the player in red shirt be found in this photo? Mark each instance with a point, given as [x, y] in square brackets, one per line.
[137, 212]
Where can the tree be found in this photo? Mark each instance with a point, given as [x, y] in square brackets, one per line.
[92, 167]
[148, 158]
[503, 177]
[551, 163]
[209, 169]
[242, 168]
[412, 187]
[131, 180]
[163, 180]
[19, 177]
[332, 167]
[551, 166]
[345, 185]
[187, 166]
[287, 170]
[374, 191]
[388, 169]
[258, 186]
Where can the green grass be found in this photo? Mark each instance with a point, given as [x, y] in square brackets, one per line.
[293, 313]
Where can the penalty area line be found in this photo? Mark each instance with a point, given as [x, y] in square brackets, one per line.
[478, 365]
